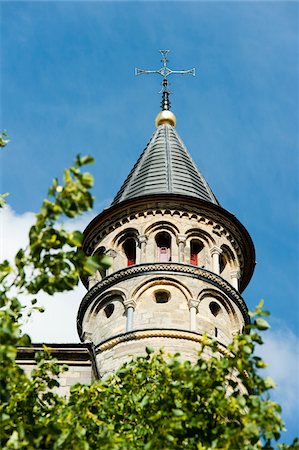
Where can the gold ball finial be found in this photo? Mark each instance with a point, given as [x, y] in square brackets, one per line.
[165, 117]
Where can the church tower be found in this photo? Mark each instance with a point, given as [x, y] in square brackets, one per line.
[179, 260]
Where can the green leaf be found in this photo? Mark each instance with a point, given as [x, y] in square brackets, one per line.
[91, 264]
[144, 401]
[75, 238]
[149, 350]
[87, 180]
[247, 349]
[82, 160]
[5, 269]
[103, 260]
[269, 383]
[178, 412]
[261, 324]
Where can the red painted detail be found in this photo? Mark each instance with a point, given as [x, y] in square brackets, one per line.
[194, 259]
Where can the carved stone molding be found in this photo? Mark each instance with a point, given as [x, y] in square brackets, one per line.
[181, 239]
[112, 253]
[153, 333]
[235, 274]
[193, 303]
[222, 223]
[142, 238]
[161, 269]
[215, 250]
[130, 303]
[208, 216]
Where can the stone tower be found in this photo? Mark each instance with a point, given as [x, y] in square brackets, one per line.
[180, 261]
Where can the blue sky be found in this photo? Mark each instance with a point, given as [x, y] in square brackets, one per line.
[68, 86]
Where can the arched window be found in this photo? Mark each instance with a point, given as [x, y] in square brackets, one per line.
[215, 309]
[130, 251]
[222, 262]
[195, 248]
[109, 309]
[163, 241]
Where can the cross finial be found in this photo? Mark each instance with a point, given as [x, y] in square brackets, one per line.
[165, 72]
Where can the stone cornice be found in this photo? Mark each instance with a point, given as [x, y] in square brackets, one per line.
[71, 354]
[154, 333]
[106, 221]
[160, 269]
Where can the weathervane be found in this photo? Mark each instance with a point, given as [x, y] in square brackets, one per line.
[165, 72]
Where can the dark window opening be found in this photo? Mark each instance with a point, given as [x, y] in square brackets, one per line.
[216, 332]
[215, 308]
[163, 241]
[195, 248]
[130, 251]
[162, 296]
[109, 309]
[222, 263]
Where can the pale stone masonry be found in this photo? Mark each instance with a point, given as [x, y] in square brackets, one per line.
[179, 261]
[179, 265]
[75, 356]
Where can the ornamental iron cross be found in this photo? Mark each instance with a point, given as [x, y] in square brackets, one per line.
[165, 72]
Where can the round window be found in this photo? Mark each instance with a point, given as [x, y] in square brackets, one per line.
[162, 296]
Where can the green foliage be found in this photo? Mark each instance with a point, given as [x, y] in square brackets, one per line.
[156, 401]
[2, 200]
[54, 258]
[3, 139]
[157, 404]
[153, 402]
[51, 263]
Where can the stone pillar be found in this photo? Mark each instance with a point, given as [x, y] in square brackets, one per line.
[142, 239]
[130, 306]
[215, 253]
[113, 254]
[234, 275]
[181, 241]
[94, 279]
[193, 305]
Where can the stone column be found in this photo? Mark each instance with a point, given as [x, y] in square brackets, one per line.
[142, 239]
[215, 253]
[94, 279]
[181, 241]
[113, 254]
[235, 275]
[130, 306]
[193, 305]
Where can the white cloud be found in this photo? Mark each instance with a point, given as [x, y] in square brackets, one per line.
[281, 352]
[58, 322]
[14, 231]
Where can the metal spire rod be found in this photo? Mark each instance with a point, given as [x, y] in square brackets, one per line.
[165, 72]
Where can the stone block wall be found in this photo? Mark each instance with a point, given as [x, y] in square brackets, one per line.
[75, 356]
[112, 355]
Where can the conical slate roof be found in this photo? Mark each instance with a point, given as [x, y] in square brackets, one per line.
[165, 167]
